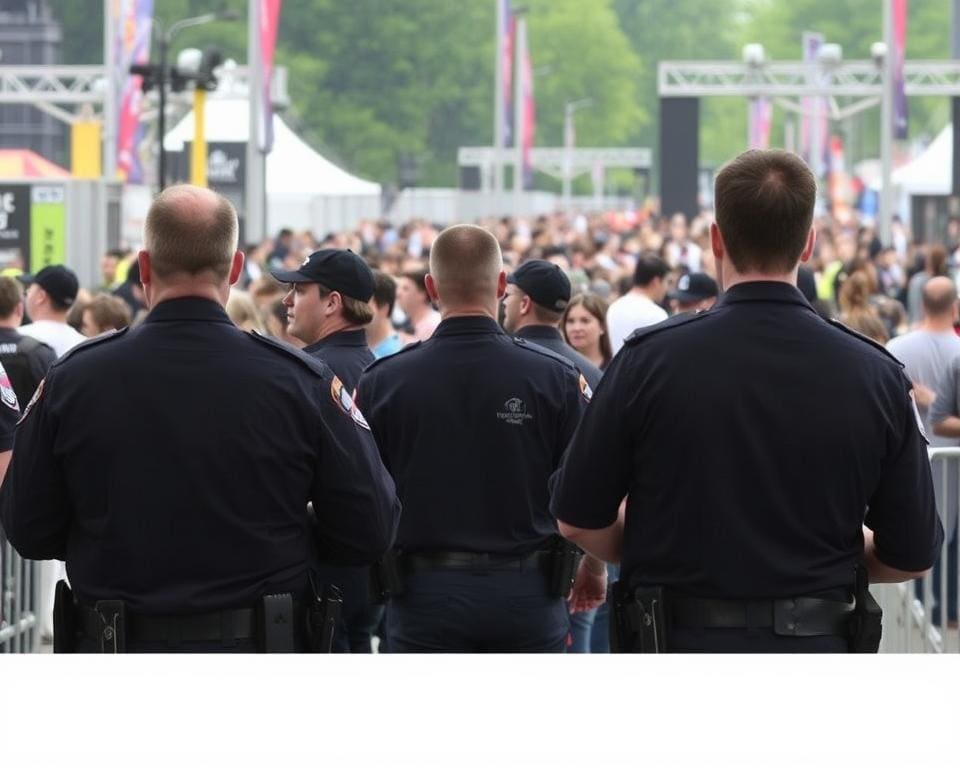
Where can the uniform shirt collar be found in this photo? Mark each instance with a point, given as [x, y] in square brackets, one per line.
[453, 326]
[352, 338]
[764, 290]
[188, 308]
[545, 332]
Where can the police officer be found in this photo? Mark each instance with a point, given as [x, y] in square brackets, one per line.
[171, 465]
[764, 453]
[537, 293]
[694, 291]
[471, 424]
[328, 307]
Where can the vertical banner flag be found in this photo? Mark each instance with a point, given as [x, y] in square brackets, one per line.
[506, 40]
[133, 20]
[760, 119]
[839, 187]
[815, 109]
[528, 106]
[899, 53]
[269, 21]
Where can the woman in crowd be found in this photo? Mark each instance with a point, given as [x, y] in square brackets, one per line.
[856, 309]
[243, 312]
[585, 328]
[104, 313]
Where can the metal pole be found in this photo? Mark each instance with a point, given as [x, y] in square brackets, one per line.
[886, 128]
[955, 29]
[254, 225]
[162, 115]
[498, 94]
[520, 54]
[110, 95]
[568, 140]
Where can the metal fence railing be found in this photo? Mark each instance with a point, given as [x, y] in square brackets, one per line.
[19, 593]
[914, 619]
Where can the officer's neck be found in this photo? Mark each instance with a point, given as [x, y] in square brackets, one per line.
[332, 325]
[157, 293]
[731, 278]
[468, 310]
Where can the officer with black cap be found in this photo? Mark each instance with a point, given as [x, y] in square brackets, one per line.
[328, 306]
[537, 293]
[171, 466]
[812, 476]
[471, 424]
[694, 291]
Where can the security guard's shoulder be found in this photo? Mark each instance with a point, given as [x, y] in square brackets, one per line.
[866, 339]
[396, 355]
[664, 325]
[312, 364]
[534, 347]
[90, 343]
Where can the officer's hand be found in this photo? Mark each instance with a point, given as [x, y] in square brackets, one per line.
[589, 587]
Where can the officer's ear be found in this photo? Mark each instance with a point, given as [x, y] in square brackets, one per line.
[526, 304]
[808, 248]
[501, 285]
[431, 285]
[146, 274]
[716, 243]
[236, 267]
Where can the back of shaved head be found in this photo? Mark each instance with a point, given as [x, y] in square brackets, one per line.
[190, 230]
[465, 263]
[939, 296]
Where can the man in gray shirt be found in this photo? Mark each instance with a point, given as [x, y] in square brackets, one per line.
[931, 355]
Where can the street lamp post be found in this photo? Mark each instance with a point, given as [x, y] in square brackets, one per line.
[569, 142]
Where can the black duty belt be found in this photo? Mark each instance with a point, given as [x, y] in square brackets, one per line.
[480, 561]
[219, 626]
[799, 616]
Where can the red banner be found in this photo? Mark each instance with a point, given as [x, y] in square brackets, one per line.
[899, 53]
[269, 22]
[506, 41]
[529, 115]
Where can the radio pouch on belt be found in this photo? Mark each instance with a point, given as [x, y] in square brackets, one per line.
[326, 603]
[866, 621]
[64, 619]
[111, 618]
[638, 619]
[275, 624]
[386, 579]
[563, 567]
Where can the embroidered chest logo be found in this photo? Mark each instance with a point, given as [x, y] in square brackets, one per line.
[515, 412]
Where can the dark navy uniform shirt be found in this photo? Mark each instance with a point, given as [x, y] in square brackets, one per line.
[170, 465]
[550, 338]
[9, 411]
[753, 440]
[471, 423]
[346, 352]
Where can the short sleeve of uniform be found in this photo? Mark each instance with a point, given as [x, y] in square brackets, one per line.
[902, 512]
[595, 472]
[354, 497]
[945, 404]
[9, 412]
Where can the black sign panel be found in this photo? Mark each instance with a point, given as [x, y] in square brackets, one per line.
[15, 222]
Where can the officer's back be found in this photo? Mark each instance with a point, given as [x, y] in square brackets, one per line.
[171, 464]
[471, 423]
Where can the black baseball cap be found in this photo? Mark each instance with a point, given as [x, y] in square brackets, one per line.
[58, 281]
[695, 287]
[543, 282]
[337, 269]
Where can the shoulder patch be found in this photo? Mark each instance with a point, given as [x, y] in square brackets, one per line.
[395, 355]
[856, 334]
[7, 395]
[38, 393]
[345, 402]
[585, 389]
[313, 364]
[84, 345]
[671, 322]
[534, 347]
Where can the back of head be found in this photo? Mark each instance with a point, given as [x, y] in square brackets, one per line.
[764, 210]
[11, 294]
[939, 297]
[466, 263]
[936, 262]
[190, 232]
[648, 268]
[384, 290]
[108, 312]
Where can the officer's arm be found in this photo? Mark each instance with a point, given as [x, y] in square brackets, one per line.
[33, 507]
[594, 476]
[354, 497]
[944, 417]
[902, 513]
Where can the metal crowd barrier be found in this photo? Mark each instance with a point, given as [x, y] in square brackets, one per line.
[19, 594]
[921, 616]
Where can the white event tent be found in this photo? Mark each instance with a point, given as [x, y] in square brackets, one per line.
[930, 173]
[304, 189]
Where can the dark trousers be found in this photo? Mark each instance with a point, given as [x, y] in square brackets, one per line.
[751, 641]
[473, 611]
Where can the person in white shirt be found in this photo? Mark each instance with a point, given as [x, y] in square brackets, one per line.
[640, 306]
[681, 252]
[50, 294]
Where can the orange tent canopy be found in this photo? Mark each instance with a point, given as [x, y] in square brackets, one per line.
[27, 164]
